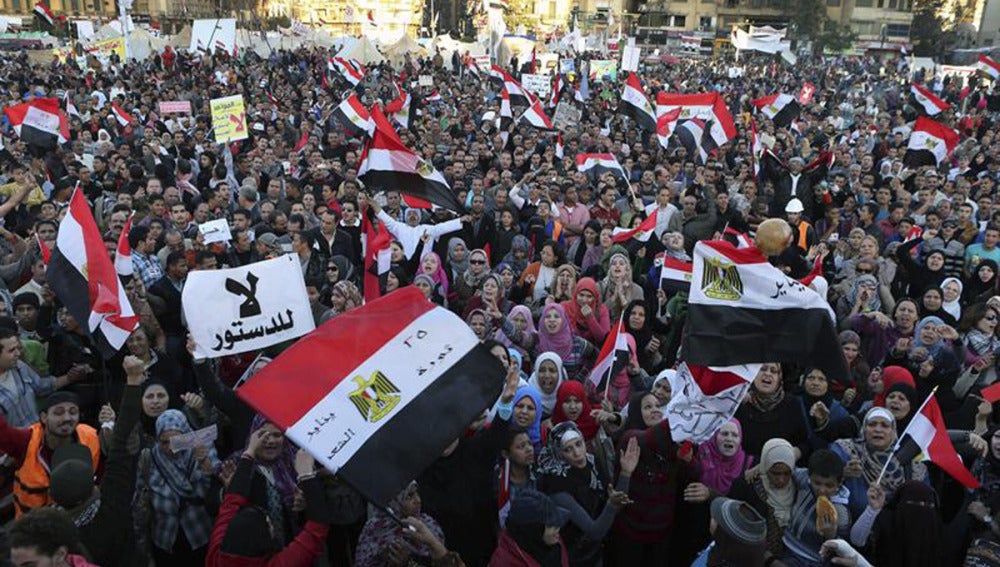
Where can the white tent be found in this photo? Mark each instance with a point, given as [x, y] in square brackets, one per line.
[142, 44]
[364, 51]
[406, 45]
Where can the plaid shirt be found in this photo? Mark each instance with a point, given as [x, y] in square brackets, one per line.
[18, 404]
[148, 267]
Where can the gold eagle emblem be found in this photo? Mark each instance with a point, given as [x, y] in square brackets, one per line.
[424, 168]
[375, 397]
[721, 280]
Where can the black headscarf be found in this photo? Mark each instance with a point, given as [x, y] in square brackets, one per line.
[643, 335]
[909, 532]
[975, 287]
[529, 538]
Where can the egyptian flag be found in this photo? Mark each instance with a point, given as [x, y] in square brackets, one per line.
[806, 94]
[928, 431]
[44, 13]
[640, 233]
[39, 122]
[691, 133]
[123, 253]
[497, 75]
[738, 238]
[472, 69]
[557, 87]
[703, 399]
[301, 144]
[377, 254]
[70, 107]
[782, 109]
[710, 108]
[517, 93]
[560, 149]
[599, 164]
[353, 116]
[123, 118]
[535, 116]
[988, 66]
[665, 125]
[614, 356]
[930, 143]
[744, 310]
[399, 109]
[349, 69]
[675, 274]
[84, 279]
[635, 105]
[402, 379]
[434, 97]
[45, 250]
[756, 148]
[931, 104]
[506, 116]
[386, 163]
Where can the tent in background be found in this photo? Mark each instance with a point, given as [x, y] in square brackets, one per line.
[363, 51]
[396, 53]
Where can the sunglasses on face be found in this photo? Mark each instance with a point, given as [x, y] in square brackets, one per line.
[332, 269]
[477, 262]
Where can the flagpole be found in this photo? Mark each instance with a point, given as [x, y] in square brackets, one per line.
[899, 439]
[614, 353]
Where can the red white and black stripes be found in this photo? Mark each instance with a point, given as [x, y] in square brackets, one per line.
[391, 367]
[781, 108]
[930, 143]
[636, 106]
[40, 122]
[354, 117]
[931, 104]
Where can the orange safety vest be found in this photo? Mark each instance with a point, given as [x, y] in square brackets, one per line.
[803, 229]
[31, 480]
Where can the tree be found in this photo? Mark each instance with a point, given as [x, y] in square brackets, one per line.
[931, 35]
[810, 21]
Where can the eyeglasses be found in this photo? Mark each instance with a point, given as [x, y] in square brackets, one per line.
[992, 317]
[477, 262]
[332, 269]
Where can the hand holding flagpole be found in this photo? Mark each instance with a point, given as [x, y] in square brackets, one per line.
[899, 439]
[614, 353]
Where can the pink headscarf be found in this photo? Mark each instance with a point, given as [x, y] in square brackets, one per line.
[717, 470]
[439, 277]
[528, 329]
[560, 342]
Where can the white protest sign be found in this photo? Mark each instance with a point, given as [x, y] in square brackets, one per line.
[566, 115]
[425, 81]
[215, 231]
[538, 84]
[246, 308]
[200, 438]
[630, 58]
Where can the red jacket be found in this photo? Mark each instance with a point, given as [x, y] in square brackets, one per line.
[303, 550]
[508, 554]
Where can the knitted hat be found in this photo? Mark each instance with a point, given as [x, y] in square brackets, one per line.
[57, 397]
[739, 520]
[71, 481]
[533, 507]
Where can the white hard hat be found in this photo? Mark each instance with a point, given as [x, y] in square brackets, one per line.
[794, 206]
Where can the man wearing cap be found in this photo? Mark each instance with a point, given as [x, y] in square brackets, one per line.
[33, 448]
[803, 234]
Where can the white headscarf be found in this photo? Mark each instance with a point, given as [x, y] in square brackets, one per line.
[953, 308]
[780, 499]
[548, 400]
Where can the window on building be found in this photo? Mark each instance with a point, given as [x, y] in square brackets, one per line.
[679, 21]
[863, 3]
[833, 3]
[552, 10]
[16, 4]
[897, 30]
[705, 23]
[75, 5]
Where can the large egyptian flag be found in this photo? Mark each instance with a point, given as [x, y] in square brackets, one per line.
[352, 71]
[535, 116]
[703, 399]
[640, 233]
[781, 108]
[928, 431]
[635, 104]
[44, 14]
[989, 67]
[710, 108]
[40, 122]
[599, 164]
[401, 379]
[930, 143]
[744, 310]
[354, 117]
[931, 104]
[82, 276]
[386, 163]
[614, 356]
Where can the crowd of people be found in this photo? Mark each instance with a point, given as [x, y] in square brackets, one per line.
[560, 471]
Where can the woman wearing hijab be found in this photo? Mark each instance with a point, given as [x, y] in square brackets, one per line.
[555, 335]
[343, 297]
[430, 265]
[426, 285]
[951, 291]
[850, 343]
[179, 525]
[865, 457]
[480, 323]
[642, 531]
[880, 333]
[593, 258]
[572, 405]
[518, 331]
[538, 277]
[519, 255]
[590, 239]
[527, 414]
[863, 297]
[384, 540]
[588, 318]
[772, 493]
[457, 259]
[770, 413]
[815, 388]
[638, 322]
[978, 328]
[617, 287]
[568, 474]
[563, 285]
[489, 297]
[546, 379]
[981, 284]
[919, 277]
[932, 305]
[908, 530]
[531, 537]
[469, 282]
